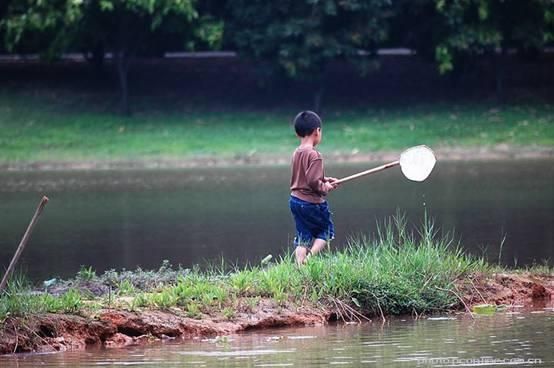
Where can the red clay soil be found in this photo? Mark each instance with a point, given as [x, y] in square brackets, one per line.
[118, 328]
[507, 289]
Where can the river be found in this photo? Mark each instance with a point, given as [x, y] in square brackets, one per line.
[129, 218]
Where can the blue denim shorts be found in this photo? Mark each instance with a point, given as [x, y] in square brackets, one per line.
[313, 221]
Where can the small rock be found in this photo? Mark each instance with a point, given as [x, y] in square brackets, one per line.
[119, 340]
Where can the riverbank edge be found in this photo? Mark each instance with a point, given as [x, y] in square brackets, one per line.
[115, 328]
[480, 153]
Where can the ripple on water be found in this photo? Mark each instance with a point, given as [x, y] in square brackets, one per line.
[238, 353]
[407, 344]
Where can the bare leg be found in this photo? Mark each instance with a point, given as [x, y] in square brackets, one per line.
[318, 246]
[301, 254]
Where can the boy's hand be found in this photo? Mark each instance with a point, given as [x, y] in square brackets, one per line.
[330, 184]
[332, 181]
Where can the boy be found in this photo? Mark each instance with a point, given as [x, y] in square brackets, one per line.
[309, 186]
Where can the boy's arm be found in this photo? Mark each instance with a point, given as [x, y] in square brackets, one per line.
[316, 180]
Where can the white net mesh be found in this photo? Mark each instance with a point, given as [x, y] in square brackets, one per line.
[417, 163]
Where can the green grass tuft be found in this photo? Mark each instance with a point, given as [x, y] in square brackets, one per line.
[395, 272]
[20, 300]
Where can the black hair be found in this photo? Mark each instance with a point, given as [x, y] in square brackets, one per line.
[306, 122]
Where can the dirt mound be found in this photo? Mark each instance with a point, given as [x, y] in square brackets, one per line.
[509, 289]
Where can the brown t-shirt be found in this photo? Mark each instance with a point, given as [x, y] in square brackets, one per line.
[307, 179]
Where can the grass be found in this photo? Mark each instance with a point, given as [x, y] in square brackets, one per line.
[43, 127]
[19, 300]
[395, 272]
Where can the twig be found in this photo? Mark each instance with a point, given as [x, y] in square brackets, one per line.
[337, 309]
[380, 310]
[16, 337]
[352, 312]
[477, 290]
[456, 294]
[44, 341]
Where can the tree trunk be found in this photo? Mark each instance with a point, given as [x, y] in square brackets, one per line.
[122, 61]
[318, 96]
[98, 56]
[319, 88]
[499, 74]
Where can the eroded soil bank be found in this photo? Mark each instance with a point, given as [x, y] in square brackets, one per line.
[117, 328]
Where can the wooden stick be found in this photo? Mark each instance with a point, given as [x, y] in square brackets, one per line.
[23, 242]
[367, 172]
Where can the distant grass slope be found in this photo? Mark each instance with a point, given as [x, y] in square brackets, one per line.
[69, 127]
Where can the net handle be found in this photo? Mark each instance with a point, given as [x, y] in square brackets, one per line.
[367, 172]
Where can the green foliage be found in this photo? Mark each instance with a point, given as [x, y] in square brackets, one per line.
[301, 37]
[396, 271]
[298, 38]
[126, 287]
[163, 300]
[15, 299]
[127, 282]
[19, 300]
[69, 302]
[140, 300]
[124, 27]
[243, 282]
[251, 303]
[193, 310]
[477, 27]
[32, 24]
[86, 273]
[197, 288]
[229, 313]
[111, 21]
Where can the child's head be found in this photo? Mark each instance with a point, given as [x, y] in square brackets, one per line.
[308, 123]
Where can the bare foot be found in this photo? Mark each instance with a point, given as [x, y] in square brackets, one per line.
[301, 254]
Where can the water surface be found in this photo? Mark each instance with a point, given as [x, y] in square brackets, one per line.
[505, 340]
[125, 219]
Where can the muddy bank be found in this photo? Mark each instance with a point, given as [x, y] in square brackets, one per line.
[117, 328]
[498, 152]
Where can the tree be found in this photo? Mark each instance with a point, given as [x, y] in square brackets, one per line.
[301, 37]
[125, 28]
[34, 25]
[490, 27]
[417, 25]
[454, 33]
[3, 12]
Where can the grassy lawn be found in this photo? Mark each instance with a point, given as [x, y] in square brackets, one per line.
[43, 127]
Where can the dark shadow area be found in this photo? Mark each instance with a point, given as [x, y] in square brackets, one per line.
[223, 83]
